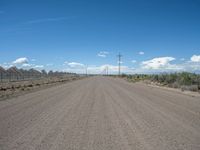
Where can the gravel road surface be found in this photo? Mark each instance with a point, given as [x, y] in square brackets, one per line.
[100, 113]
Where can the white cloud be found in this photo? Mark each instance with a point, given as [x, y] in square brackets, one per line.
[191, 67]
[133, 61]
[65, 63]
[112, 69]
[121, 62]
[31, 66]
[75, 70]
[163, 64]
[38, 66]
[22, 60]
[75, 65]
[6, 66]
[159, 63]
[43, 20]
[103, 54]
[195, 58]
[141, 53]
[26, 65]
[155, 65]
[33, 59]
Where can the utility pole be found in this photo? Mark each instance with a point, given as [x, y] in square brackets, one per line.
[119, 63]
[86, 70]
[106, 70]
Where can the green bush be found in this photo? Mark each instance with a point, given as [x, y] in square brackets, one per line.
[183, 80]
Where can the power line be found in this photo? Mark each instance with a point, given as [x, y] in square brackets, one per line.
[119, 63]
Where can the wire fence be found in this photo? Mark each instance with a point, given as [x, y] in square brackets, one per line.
[14, 74]
[12, 77]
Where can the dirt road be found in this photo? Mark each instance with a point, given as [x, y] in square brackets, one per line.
[100, 113]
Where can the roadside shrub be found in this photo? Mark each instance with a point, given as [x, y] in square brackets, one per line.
[193, 88]
[175, 85]
[183, 80]
[189, 88]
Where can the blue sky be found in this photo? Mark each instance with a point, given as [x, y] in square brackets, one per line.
[69, 35]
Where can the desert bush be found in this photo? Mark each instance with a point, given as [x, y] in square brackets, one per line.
[189, 88]
[183, 80]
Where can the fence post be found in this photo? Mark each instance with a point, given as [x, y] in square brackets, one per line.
[1, 76]
[10, 76]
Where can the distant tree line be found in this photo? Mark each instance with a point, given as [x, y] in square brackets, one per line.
[183, 80]
[15, 74]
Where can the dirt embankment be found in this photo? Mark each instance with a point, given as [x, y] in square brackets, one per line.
[11, 89]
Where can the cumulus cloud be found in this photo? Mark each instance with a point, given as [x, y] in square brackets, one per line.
[195, 58]
[103, 54]
[75, 65]
[191, 67]
[20, 61]
[26, 65]
[158, 63]
[32, 66]
[38, 66]
[164, 64]
[6, 66]
[141, 53]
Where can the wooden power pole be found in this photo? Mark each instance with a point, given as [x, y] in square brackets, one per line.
[119, 63]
